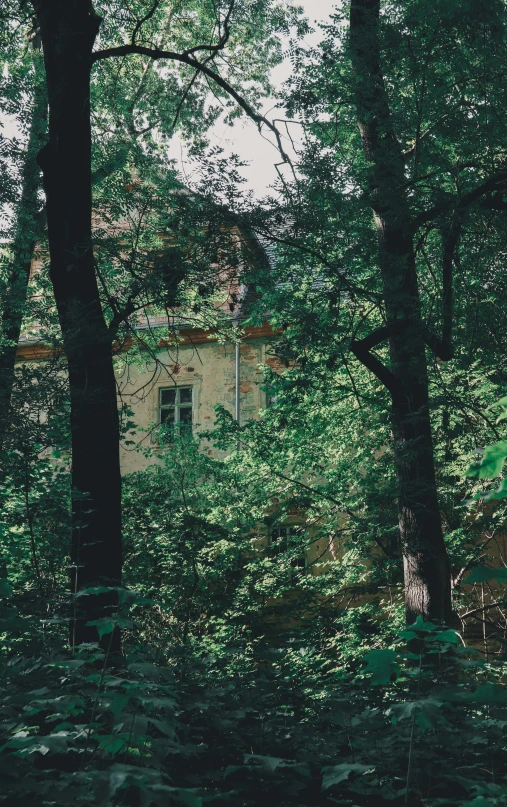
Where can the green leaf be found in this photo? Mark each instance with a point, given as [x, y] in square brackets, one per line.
[338, 773]
[427, 711]
[163, 727]
[489, 694]
[118, 703]
[5, 588]
[482, 573]
[104, 625]
[492, 462]
[499, 493]
[113, 744]
[382, 665]
[423, 627]
[448, 636]
[94, 590]
[189, 797]
[124, 623]
[268, 764]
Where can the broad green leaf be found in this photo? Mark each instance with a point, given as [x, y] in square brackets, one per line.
[118, 703]
[129, 597]
[94, 590]
[162, 726]
[104, 625]
[427, 711]
[189, 797]
[124, 623]
[338, 773]
[482, 573]
[268, 764]
[420, 625]
[448, 636]
[491, 463]
[499, 493]
[382, 665]
[489, 694]
[5, 588]
[114, 743]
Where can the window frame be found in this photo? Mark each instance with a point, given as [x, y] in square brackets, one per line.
[176, 406]
[291, 529]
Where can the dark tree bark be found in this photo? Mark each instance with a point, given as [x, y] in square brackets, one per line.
[426, 565]
[27, 233]
[68, 30]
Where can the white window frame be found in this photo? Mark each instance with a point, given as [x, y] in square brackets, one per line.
[177, 406]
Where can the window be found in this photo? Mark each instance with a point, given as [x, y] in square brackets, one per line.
[289, 538]
[271, 390]
[271, 398]
[175, 407]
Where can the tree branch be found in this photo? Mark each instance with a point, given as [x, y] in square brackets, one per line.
[187, 58]
[223, 39]
[144, 19]
[122, 314]
[361, 350]
[495, 182]
[446, 351]
[443, 348]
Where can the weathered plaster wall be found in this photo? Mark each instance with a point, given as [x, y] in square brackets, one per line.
[209, 367]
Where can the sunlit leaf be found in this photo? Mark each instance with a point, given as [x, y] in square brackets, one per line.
[491, 463]
[335, 774]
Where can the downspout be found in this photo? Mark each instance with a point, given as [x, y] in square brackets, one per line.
[238, 383]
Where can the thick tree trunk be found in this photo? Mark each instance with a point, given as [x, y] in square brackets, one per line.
[426, 565]
[28, 232]
[68, 30]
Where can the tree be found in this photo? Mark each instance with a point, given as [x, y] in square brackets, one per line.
[395, 122]
[27, 231]
[68, 33]
[427, 572]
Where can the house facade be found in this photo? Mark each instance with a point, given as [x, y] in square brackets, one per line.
[182, 384]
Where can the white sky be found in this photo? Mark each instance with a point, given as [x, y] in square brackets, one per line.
[243, 138]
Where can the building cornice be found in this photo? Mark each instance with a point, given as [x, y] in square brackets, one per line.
[39, 350]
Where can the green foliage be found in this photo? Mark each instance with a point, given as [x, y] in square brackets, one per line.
[491, 463]
[382, 665]
[245, 679]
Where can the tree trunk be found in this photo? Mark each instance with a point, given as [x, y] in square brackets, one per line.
[27, 233]
[426, 565]
[68, 29]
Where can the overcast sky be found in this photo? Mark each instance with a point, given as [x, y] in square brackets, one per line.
[243, 138]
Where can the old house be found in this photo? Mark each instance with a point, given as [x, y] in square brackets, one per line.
[191, 370]
[183, 373]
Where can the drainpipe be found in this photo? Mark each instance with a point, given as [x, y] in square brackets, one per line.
[238, 382]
